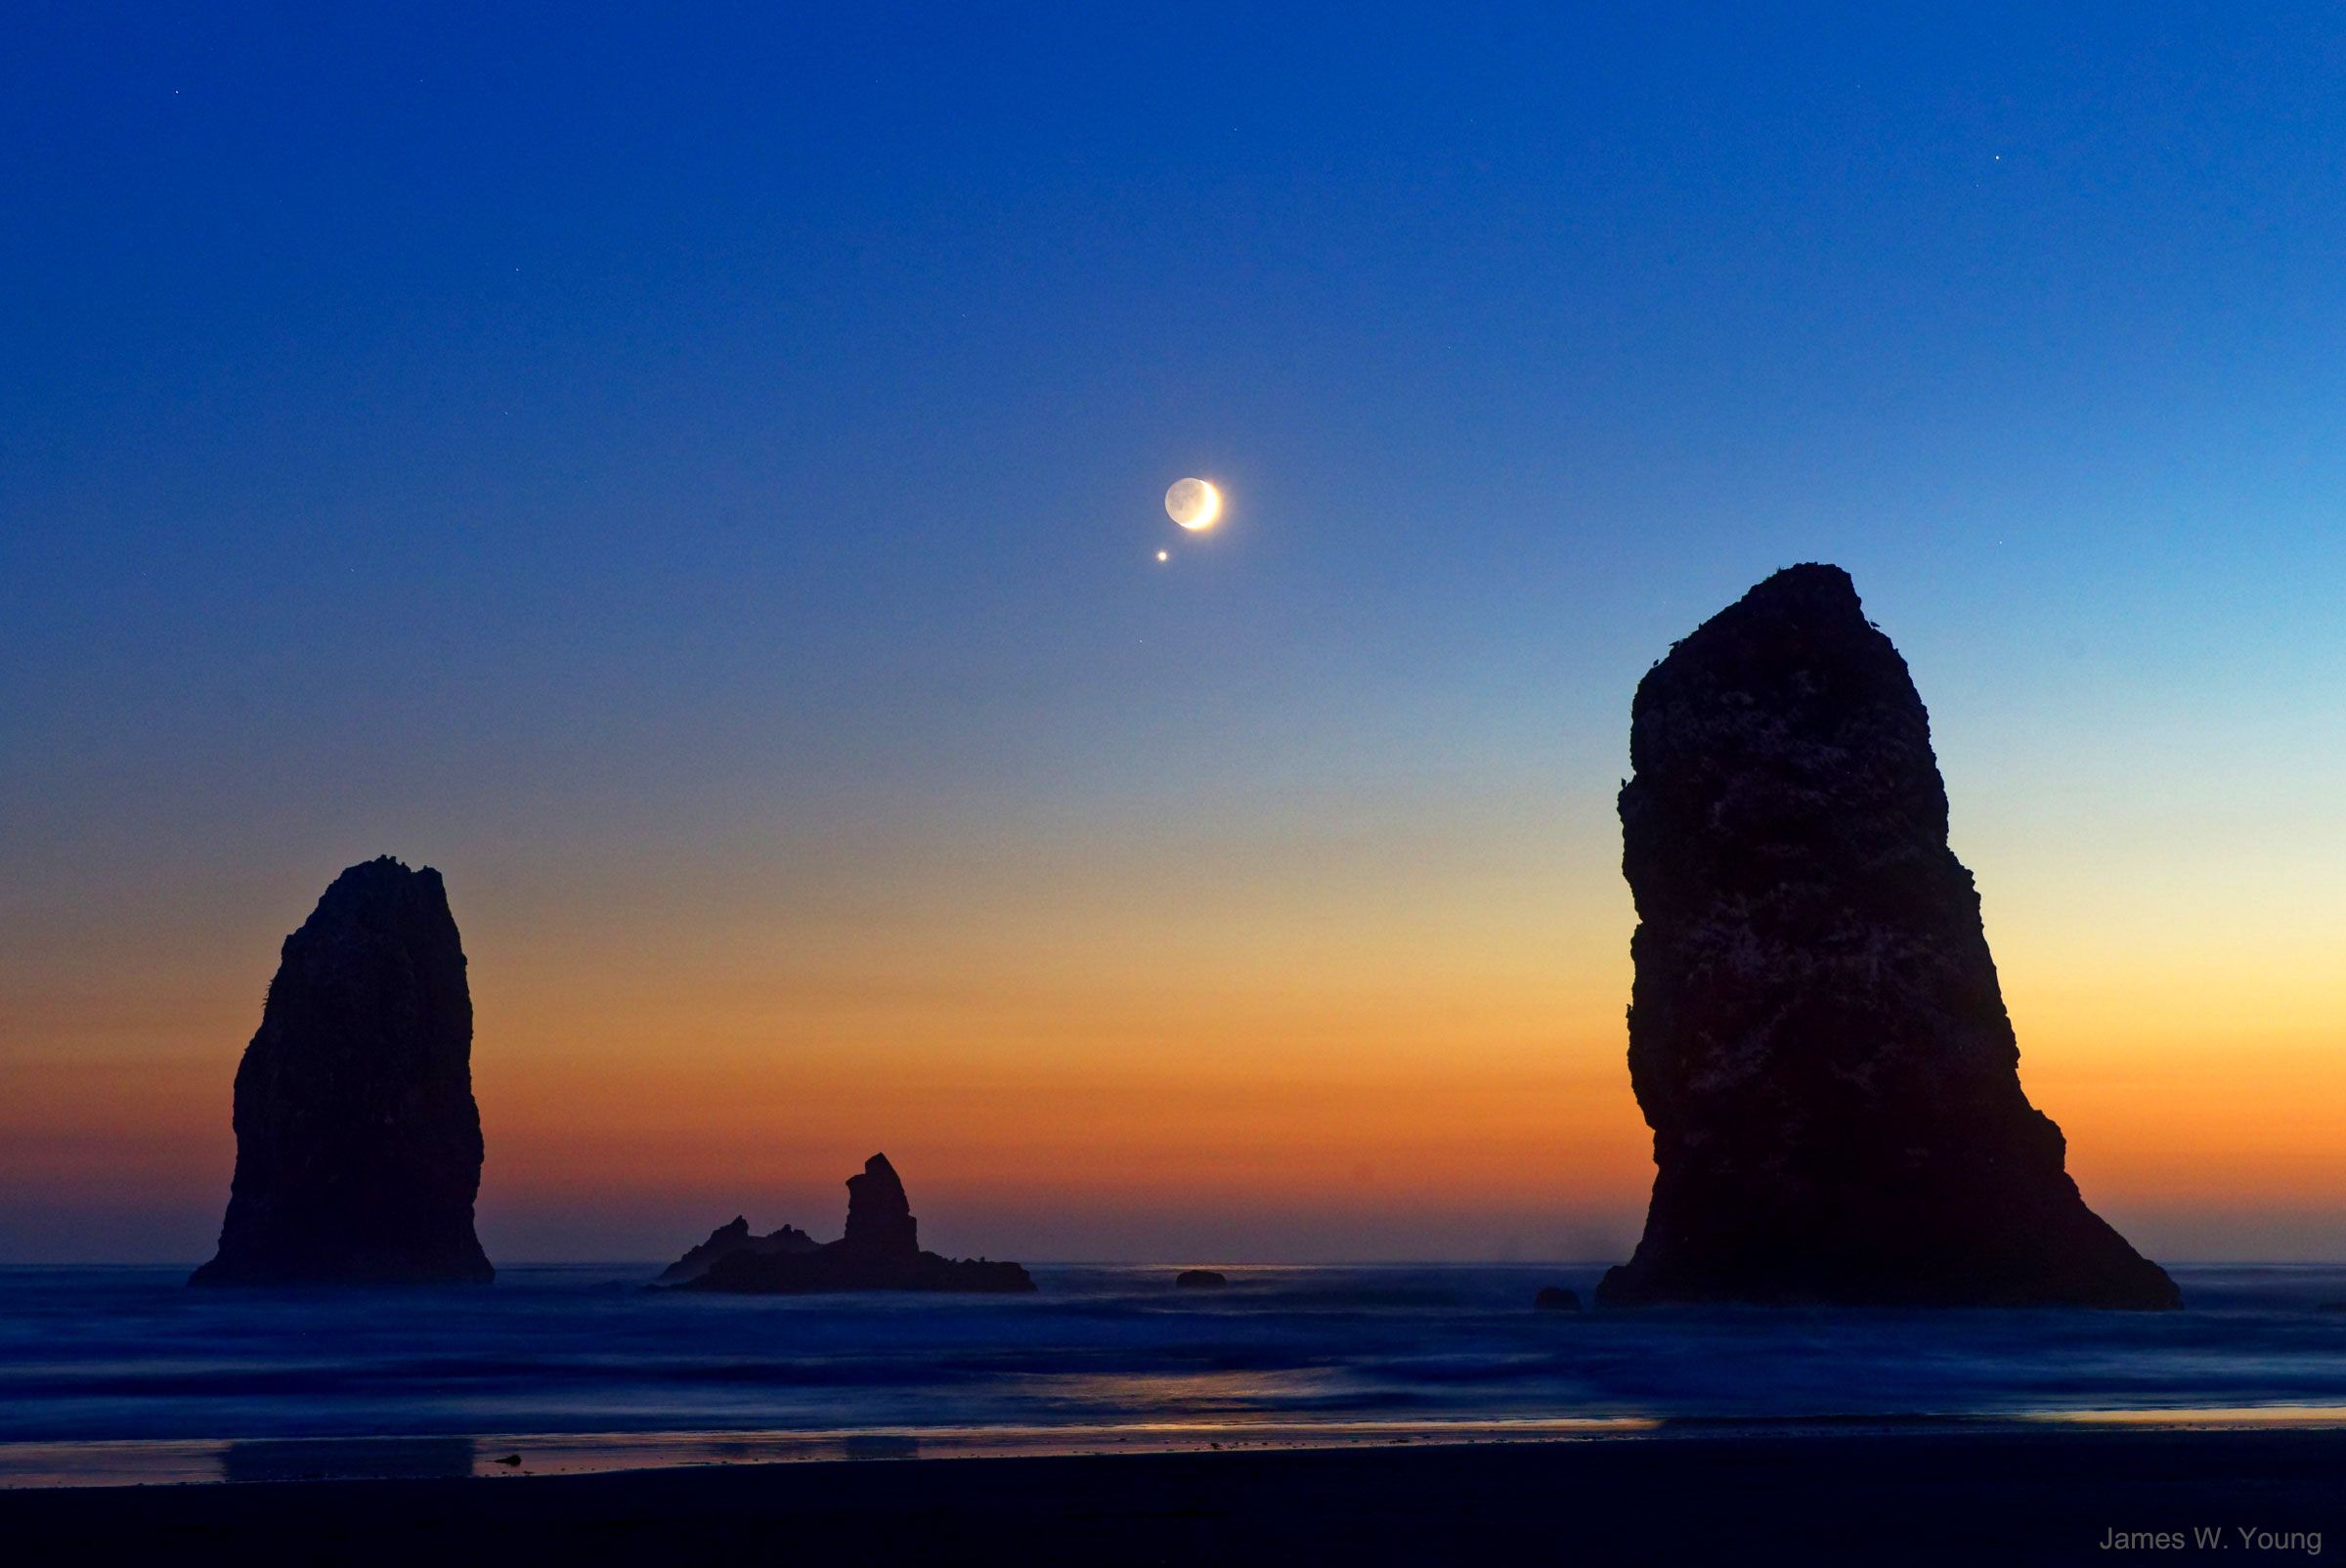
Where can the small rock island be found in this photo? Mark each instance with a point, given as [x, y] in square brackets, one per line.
[357, 1142]
[1818, 1036]
[880, 1251]
[730, 1239]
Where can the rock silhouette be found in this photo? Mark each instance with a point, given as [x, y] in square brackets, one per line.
[1200, 1280]
[880, 1222]
[1818, 1036]
[727, 1240]
[358, 1142]
[880, 1251]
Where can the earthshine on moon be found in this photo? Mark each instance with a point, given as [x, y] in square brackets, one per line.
[1193, 504]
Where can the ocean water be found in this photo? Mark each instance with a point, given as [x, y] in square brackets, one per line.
[122, 1373]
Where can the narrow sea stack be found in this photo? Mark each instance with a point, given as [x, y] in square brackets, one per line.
[357, 1142]
[1818, 1036]
[881, 1251]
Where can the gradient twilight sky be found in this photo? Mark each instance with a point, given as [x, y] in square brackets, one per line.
[693, 474]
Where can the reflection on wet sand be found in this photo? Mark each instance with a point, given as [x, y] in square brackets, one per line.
[2229, 1415]
[118, 1464]
[124, 1464]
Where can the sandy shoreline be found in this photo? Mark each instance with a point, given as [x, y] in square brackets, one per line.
[138, 1462]
[149, 1462]
[1873, 1495]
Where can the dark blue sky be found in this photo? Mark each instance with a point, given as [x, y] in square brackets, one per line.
[592, 431]
[599, 359]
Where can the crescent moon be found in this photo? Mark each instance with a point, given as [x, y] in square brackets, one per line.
[1194, 504]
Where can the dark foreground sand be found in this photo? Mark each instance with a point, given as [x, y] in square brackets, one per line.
[1936, 1497]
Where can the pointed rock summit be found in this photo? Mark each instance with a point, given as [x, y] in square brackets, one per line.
[358, 1142]
[880, 1222]
[1816, 1034]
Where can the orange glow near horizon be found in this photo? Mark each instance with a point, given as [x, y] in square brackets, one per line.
[1151, 1051]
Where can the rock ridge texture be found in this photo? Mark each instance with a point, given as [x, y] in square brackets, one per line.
[729, 1238]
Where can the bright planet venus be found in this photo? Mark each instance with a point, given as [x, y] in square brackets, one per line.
[1193, 504]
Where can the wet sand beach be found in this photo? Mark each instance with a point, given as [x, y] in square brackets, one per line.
[1874, 1494]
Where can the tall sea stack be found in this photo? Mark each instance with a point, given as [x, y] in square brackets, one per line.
[358, 1142]
[1816, 1032]
[880, 1222]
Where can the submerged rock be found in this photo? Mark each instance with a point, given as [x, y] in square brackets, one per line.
[1556, 1298]
[880, 1251]
[358, 1142]
[1200, 1280]
[1816, 1034]
[727, 1240]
